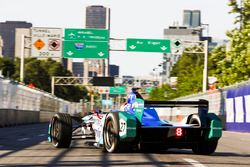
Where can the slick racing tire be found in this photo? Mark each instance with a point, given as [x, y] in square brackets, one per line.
[61, 130]
[194, 119]
[111, 133]
[205, 147]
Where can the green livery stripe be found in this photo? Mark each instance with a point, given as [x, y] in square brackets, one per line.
[127, 124]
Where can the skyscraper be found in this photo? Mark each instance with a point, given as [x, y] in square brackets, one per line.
[7, 31]
[113, 70]
[191, 18]
[77, 69]
[97, 17]
[187, 18]
[196, 18]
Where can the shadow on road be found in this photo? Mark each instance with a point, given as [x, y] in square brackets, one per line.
[14, 139]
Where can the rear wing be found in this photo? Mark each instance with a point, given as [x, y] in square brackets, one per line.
[201, 104]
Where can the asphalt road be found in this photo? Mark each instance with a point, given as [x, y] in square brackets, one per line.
[27, 146]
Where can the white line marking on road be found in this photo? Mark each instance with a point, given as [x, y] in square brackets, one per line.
[41, 135]
[194, 162]
[23, 139]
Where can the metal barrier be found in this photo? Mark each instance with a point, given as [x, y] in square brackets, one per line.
[20, 104]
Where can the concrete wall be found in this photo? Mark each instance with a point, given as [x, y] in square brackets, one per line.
[20, 104]
[10, 117]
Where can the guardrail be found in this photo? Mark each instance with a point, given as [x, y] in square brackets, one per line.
[20, 104]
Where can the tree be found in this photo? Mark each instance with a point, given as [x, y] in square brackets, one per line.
[37, 75]
[7, 66]
[40, 72]
[234, 65]
[165, 92]
[189, 72]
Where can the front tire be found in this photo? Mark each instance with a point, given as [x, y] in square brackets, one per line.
[61, 130]
[111, 132]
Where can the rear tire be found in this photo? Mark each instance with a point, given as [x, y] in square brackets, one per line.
[61, 130]
[194, 119]
[205, 147]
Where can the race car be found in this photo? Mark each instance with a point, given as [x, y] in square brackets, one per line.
[138, 126]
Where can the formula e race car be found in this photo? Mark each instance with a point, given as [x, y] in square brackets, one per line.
[138, 126]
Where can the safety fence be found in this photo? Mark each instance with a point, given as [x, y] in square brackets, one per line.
[20, 104]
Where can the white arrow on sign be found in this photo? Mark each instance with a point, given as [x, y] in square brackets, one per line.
[70, 53]
[101, 54]
[71, 35]
[132, 46]
[163, 48]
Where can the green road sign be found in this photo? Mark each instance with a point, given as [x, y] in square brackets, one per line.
[86, 34]
[85, 49]
[117, 90]
[148, 90]
[148, 45]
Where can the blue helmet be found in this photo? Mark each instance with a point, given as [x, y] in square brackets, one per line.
[131, 97]
[135, 89]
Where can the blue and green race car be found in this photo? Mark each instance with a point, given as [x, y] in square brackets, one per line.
[138, 126]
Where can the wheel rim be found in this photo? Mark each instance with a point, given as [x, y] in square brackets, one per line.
[55, 132]
[109, 135]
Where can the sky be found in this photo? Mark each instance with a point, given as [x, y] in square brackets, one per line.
[129, 19]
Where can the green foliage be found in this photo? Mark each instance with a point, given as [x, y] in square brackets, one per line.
[7, 66]
[165, 92]
[36, 74]
[190, 72]
[233, 65]
[39, 73]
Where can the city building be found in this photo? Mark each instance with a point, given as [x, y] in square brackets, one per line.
[192, 18]
[97, 17]
[7, 31]
[191, 30]
[174, 33]
[113, 70]
[78, 69]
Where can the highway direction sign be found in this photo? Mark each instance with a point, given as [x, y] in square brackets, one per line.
[85, 49]
[148, 45]
[86, 34]
[117, 90]
[46, 42]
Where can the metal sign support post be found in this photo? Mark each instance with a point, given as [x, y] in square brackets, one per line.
[22, 59]
[204, 88]
[53, 85]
